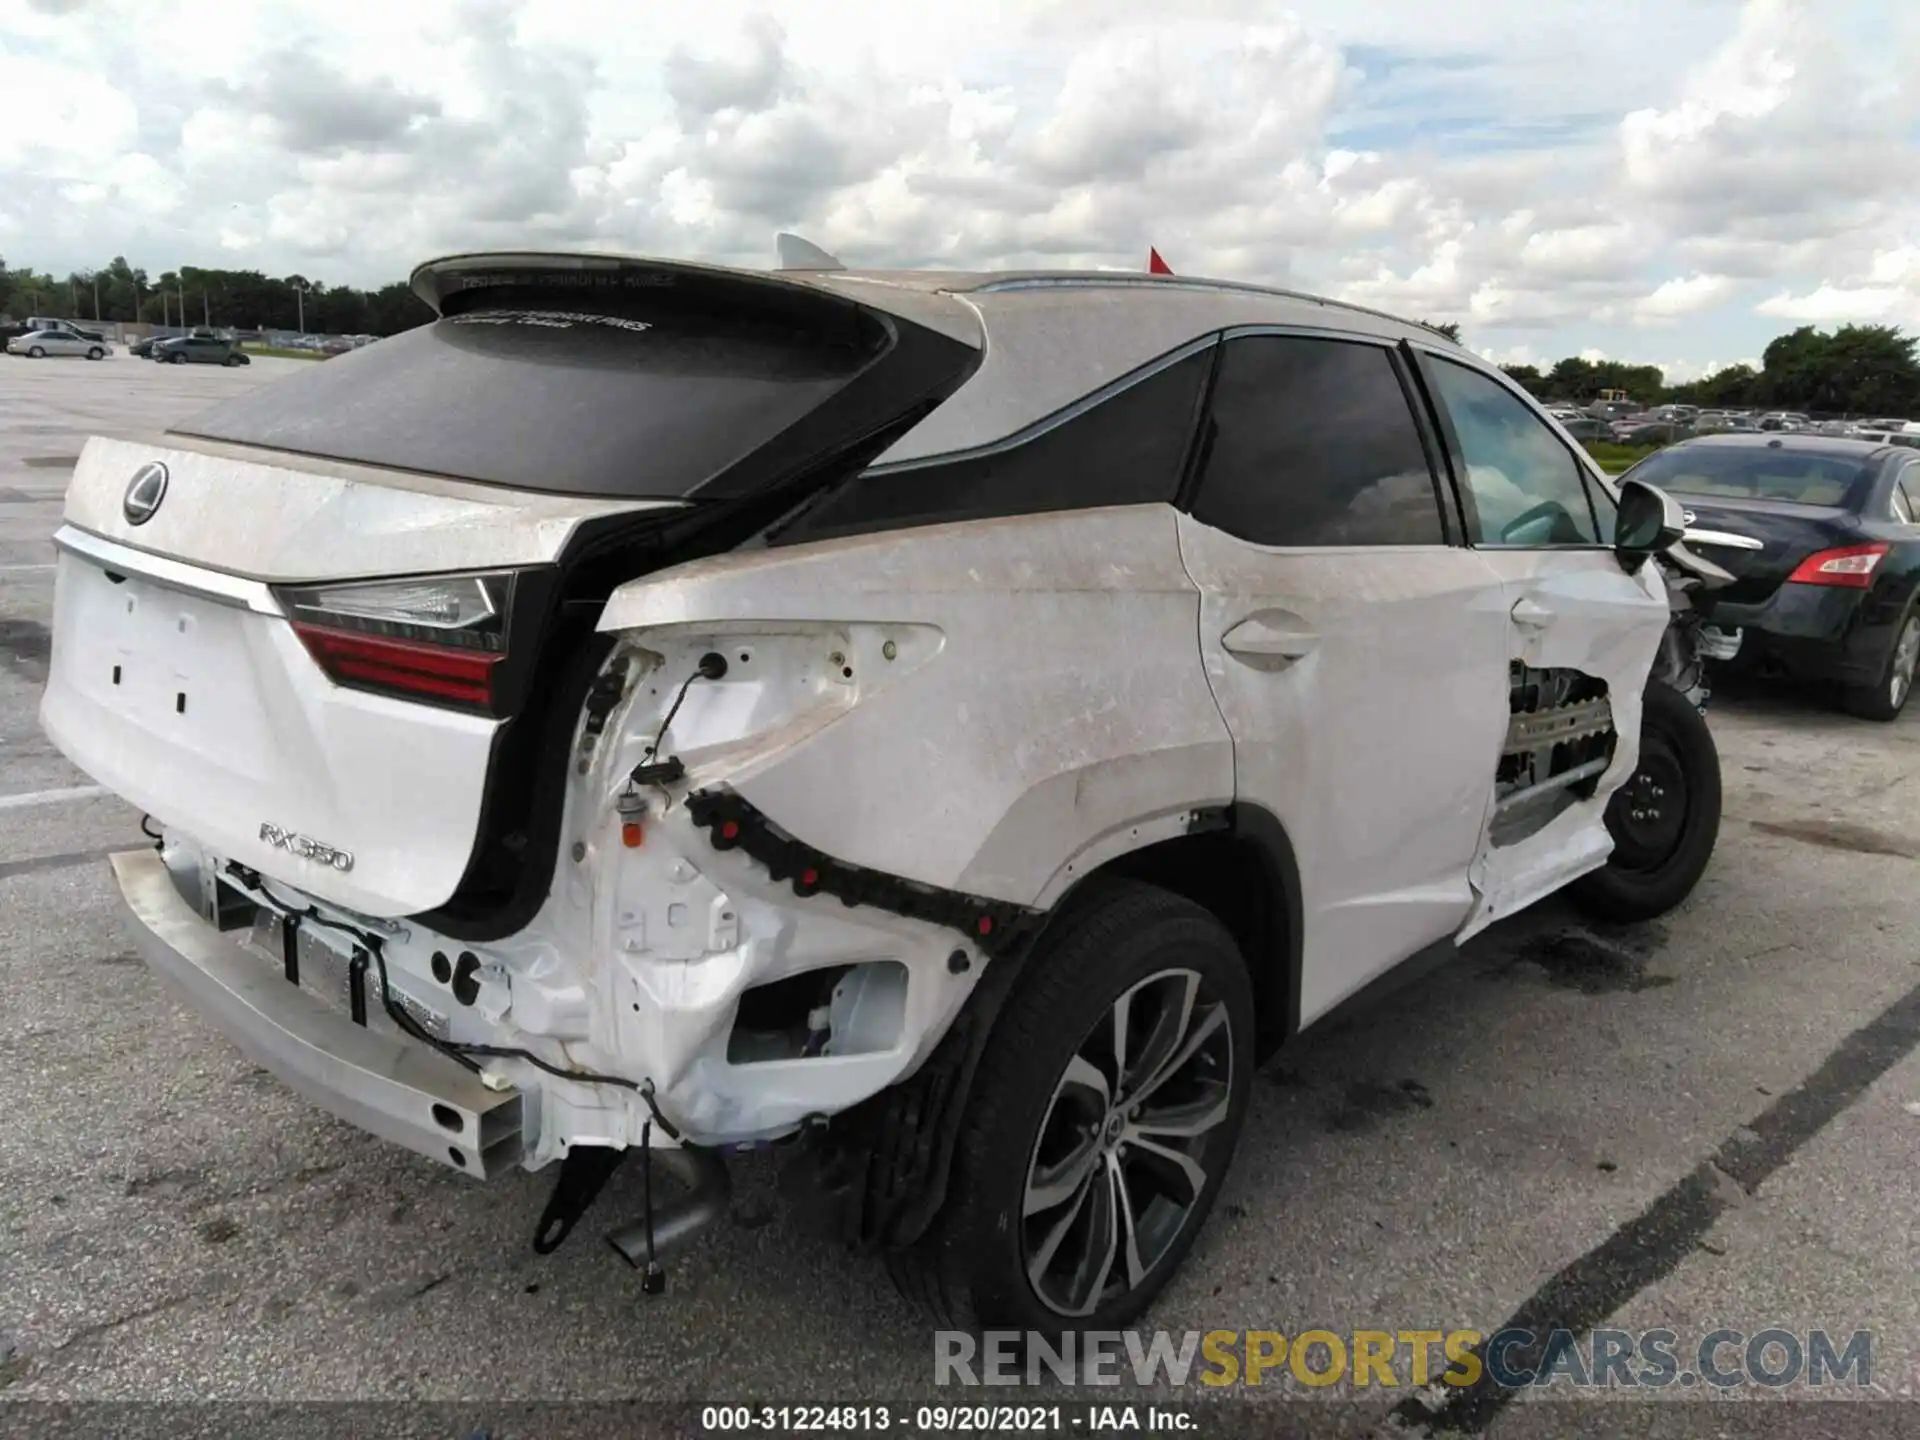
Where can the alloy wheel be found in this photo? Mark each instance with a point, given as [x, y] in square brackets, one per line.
[1123, 1156]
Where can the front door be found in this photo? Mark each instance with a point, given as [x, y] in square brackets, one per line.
[1578, 626]
[1358, 657]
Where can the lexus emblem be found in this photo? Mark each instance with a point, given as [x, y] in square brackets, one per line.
[1688, 516]
[145, 492]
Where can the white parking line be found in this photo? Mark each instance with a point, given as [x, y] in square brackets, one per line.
[51, 797]
[11, 568]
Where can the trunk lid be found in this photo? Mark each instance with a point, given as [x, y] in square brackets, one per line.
[178, 682]
[1787, 534]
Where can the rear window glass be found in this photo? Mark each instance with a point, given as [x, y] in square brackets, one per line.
[646, 395]
[1756, 473]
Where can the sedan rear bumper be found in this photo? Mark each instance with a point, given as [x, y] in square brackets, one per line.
[397, 1089]
[1810, 632]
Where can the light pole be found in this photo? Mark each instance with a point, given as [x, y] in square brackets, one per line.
[300, 303]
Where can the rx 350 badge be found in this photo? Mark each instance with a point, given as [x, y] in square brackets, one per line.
[306, 847]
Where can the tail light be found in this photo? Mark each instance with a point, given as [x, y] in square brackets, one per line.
[440, 638]
[1851, 566]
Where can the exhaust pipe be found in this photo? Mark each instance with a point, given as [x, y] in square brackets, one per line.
[679, 1221]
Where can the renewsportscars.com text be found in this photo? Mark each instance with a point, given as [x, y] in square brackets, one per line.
[1772, 1357]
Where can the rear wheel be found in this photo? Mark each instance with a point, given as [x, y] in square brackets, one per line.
[1100, 1126]
[1664, 820]
[1887, 696]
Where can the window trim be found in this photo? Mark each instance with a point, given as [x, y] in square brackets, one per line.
[1451, 535]
[1909, 472]
[1584, 465]
[1067, 413]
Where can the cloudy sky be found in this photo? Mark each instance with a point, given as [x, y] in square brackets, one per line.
[1673, 181]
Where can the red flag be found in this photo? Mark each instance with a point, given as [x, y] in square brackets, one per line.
[1155, 265]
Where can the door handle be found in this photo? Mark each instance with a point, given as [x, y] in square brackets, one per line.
[1531, 614]
[1258, 637]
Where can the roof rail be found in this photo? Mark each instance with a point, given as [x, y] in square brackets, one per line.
[1129, 280]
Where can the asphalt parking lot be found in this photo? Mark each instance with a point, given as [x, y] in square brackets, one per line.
[1712, 1120]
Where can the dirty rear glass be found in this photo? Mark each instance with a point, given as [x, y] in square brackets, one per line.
[1758, 473]
[645, 390]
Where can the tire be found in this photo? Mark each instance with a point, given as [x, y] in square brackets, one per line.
[231, 361]
[1658, 854]
[36, 353]
[176, 359]
[1033, 1109]
[1887, 696]
[96, 353]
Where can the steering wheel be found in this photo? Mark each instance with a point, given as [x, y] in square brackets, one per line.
[1549, 510]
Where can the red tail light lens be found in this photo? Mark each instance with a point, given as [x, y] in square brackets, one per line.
[439, 639]
[433, 672]
[1851, 566]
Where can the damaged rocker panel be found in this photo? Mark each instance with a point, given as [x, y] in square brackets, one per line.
[733, 823]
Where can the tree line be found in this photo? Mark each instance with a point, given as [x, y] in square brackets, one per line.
[1866, 370]
[190, 295]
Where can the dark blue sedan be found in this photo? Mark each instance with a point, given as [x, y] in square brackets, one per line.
[1831, 595]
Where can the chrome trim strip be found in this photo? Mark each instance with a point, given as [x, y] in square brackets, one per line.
[214, 585]
[1725, 539]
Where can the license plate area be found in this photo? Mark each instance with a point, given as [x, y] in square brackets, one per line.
[149, 650]
[339, 972]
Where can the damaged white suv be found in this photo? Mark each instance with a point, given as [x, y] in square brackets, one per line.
[949, 725]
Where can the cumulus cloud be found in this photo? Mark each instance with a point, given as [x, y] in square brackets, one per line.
[1888, 292]
[1447, 164]
[1679, 297]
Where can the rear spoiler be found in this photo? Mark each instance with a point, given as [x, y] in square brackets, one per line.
[823, 292]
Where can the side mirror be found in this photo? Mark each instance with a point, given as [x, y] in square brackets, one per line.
[1648, 521]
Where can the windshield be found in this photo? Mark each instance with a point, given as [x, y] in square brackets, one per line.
[1755, 473]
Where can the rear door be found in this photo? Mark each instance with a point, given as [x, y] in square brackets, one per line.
[1358, 657]
[1575, 627]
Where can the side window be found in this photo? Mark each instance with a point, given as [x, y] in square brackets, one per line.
[1129, 449]
[1906, 494]
[1525, 486]
[1312, 443]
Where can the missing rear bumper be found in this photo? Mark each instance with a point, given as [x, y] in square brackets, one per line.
[392, 1087]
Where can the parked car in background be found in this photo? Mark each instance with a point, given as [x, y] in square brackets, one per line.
[43, 344]
[1652, 432]
[1585, 427]
[1832, 595]
[1789, 420]
[50, 325]
[199, 348]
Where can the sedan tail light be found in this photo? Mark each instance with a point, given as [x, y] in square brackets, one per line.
[1851, 566]
[440, 639]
